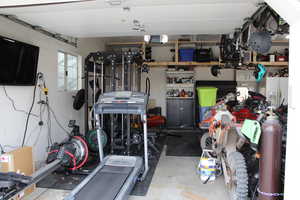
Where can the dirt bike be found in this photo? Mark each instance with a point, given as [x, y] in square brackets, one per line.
[222, 138]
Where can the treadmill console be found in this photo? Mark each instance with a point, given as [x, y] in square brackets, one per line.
[122, 102]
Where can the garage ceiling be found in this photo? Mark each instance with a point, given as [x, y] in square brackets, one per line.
[100, 18]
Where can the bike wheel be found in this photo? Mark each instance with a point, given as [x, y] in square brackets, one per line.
[238, 186]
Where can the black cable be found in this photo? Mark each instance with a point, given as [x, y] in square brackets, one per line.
[29, 113]
[49, 123]
[58, 123]
[38, 136]
[42, 111]
[44, 90]
[147, 90]
[13, 103]
[148, 86]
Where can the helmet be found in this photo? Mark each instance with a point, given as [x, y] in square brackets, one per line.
[215, 70]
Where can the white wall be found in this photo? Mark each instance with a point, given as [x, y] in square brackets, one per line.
[12, 123]
[158, 86]
[292, 151]
[290, 11]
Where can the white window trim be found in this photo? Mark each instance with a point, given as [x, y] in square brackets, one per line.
[79, 70]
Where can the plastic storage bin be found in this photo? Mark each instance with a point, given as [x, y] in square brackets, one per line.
[186, 54]
[203, 111]
[207, 96]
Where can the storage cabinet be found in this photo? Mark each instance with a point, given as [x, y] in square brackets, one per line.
[180, 113]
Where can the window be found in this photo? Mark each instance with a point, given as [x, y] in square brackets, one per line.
[68, 72]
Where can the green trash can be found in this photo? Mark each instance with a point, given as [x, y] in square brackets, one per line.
[207, 96]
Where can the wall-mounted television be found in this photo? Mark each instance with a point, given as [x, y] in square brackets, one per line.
[18, 62]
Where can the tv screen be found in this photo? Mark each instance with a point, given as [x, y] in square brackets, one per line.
[18, 62]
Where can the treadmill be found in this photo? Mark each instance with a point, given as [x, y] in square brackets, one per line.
[116, 175]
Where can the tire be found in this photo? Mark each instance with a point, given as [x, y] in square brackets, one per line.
[79, 99]
[239, 185]
[206, 141]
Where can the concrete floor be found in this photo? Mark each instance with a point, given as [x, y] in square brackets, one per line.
[175, 178]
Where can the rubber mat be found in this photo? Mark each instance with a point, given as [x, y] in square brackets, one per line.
[60, 181]
[141, 188]
[183, 144]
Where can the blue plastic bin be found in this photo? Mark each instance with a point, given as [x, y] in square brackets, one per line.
[186, 54]
[202, 112]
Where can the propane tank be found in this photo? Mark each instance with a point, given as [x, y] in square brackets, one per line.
[270, 161]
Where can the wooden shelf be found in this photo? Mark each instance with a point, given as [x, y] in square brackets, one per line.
[208, 64]
[182, 63]
[124, 43]
[280, 41]
[273, 64]
[211, 42]
[177, 44]
[179, 72]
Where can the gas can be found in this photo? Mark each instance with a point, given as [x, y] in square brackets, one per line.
[207, 166]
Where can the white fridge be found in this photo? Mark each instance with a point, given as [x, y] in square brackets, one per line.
[277, 90]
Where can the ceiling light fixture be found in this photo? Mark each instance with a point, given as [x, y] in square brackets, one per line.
[114, 2]
[164, 38]
[147, 38]
[156, 38]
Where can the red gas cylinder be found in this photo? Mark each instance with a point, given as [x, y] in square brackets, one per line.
[270, 161]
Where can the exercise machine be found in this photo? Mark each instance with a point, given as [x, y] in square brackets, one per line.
[71, 154]
[116, 176]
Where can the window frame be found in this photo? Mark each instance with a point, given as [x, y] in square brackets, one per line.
[78, 67]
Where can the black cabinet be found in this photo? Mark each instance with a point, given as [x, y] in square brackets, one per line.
[180, 113]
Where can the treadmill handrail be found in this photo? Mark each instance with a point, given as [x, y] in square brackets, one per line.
[109, 109]
[122, 108]
[111, 103]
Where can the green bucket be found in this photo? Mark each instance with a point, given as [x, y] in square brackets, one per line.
[207, 96]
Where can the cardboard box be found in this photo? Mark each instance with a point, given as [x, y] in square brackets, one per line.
[20, 161]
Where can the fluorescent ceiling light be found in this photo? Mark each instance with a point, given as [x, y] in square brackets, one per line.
[147, 38]
[164, 39]
[156, 38]
[24, 3]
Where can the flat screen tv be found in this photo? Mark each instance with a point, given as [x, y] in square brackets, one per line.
[18, 62]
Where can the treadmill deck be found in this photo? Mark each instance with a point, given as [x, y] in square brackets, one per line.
[106, 184]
